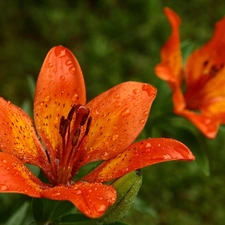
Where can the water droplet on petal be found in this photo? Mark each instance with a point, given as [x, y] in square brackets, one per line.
[60, 51]
[68, 62]
[167, 156]
[125, 112]
[56, 120]
[141, 121]
[117, 96]
[136, 91]
[104, 155]
[148, 89]
[62, 77]
[115, 137]
[3, 187]
[78, 192]
[148, 145]
[75, 97]
[72, 70]
[47, 98]
[100, 208]
[145, 113]
[50, 65]
[4, 161]
[117, 103]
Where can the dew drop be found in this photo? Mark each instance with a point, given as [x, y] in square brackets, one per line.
[72, 70]
[4, 161]
[47, 98]
[136, 91]
[100, 208]
[125, 112]
[56, 120]
[60, 51]
[115, 137]
[50, 65]
[78, 192]
[3, 187]
[148, 89]
[104, 155]
[75, 97]
[68, 62]
[117, 103]
[62, 77]
[141, 121]
[148, 145]
[145, 113]
[117, 96]
[167, 156]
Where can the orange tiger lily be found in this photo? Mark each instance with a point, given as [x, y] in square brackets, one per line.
[203, 101]
[74, 133]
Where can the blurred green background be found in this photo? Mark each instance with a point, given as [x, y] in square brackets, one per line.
[116, 41]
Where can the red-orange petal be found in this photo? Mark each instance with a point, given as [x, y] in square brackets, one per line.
[119, 115]
[60, 85]
[208, 124]
[92, 199]
[16, 178]
[18, 137]
[171, 61]
[206, 61]
[139, 155]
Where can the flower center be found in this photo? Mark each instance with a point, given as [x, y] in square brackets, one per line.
[73, 131]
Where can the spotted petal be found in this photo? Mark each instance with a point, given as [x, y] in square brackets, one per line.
[139, 155]
[16, 178]
[119, 115]
[60, 85]
[18, 137]
[92, 199]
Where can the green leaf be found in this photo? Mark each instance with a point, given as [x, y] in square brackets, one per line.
[127, 188]
[19, 215]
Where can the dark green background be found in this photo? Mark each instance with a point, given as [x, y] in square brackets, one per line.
[116, 41]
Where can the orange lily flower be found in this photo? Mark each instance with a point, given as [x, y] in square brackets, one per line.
[203, 101]
[74, 133]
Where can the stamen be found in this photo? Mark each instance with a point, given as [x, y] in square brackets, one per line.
[64, 123]
[73, 141]
[76, 136]
[71, 112]
[88, 126]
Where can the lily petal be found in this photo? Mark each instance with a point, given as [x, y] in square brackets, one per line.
[138, 155]
[92, 199]
[16, 178]
[170, 67]
[18, 137]
[206, 123]
[205, 62]
[60, 85]
[119, 115]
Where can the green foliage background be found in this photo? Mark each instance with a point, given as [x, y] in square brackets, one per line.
[116, 41]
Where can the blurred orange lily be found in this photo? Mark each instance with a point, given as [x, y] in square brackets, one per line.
[73, 134]
[203, 101]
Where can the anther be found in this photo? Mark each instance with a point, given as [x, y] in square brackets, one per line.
[71, 112]
[63, 126]
[82, 114]
[88, 125]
